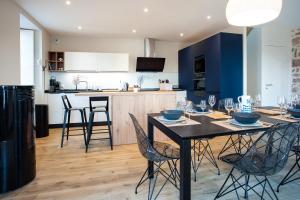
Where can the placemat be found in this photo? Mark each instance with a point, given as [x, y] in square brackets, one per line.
[218, 115]
[226, 124]
[268, 112]
[285, 118]
[186, 122]
[197, 113]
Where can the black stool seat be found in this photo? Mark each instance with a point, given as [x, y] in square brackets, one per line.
[99, 109]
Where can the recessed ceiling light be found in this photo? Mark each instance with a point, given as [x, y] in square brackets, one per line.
[181, 34]
[68, 2]
[208, 17]
[146, 10]
[79, 27]
[133, 30]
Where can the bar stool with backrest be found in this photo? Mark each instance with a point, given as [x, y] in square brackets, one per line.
[99, 109]
[66, 123]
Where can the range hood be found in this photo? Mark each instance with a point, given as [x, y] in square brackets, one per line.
[149, 63]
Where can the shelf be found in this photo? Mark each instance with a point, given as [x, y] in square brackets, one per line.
[54, 61]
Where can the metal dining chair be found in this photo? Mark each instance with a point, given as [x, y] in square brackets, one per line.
[293, 174]
[201, 149]
[99, 109]
[66, 123]
[159, 153]
[266, 157]
[239, 143]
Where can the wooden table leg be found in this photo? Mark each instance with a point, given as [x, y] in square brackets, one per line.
[151, 138]
[185, 170]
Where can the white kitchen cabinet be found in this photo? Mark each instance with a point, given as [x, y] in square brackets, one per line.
[81, 61]
[92, 61]
[56, 108]
[110, 62]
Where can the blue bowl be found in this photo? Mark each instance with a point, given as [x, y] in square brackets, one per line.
[246, 118]
[171, 114]
[294, 112]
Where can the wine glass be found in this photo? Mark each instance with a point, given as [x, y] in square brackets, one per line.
[229, 105]
[203, 105]
[282, 103]
[257, 100]
[188, 107]
[212, 101]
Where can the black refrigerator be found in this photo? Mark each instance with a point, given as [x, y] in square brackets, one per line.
[17, 140]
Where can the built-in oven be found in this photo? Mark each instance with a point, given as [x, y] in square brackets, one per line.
[199, 66]
[199, 86]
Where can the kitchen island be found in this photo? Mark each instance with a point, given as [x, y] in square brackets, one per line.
[122, 103]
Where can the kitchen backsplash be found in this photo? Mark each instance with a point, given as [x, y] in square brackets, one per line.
[112, 80]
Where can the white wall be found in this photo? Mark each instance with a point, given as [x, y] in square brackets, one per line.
[135, 48]
[254, 62]
[10, 70]
[9, 43]
[269, 63]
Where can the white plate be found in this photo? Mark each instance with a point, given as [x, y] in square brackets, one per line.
[257, 124]
[167, 120]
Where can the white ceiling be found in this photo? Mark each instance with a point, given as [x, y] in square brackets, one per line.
[165, 20]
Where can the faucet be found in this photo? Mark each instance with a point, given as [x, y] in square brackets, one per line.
[77, 80]
[86, 84]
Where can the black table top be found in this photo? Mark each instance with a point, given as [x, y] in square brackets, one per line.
[206, 129]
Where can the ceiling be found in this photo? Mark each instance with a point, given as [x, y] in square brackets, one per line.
[165, 20]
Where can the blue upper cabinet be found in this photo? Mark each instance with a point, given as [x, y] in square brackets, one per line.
[221, 67]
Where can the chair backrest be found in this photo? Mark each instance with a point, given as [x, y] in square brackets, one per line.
[270, 152]
[66, 102]
[144, 145]
[99, 99]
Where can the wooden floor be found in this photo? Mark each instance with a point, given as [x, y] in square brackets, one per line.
[102, 174]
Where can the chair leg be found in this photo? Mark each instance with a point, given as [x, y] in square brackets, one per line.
[109, 130]
[83, 126]
[68, 127]
[63, 129]
[89, 131]
[289, 175]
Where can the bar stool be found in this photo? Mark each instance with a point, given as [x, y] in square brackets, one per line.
[67, 116]
[98, 109]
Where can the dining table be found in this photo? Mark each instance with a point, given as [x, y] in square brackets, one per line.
[204, 127]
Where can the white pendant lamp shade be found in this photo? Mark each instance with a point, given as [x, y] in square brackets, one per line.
[252, 12]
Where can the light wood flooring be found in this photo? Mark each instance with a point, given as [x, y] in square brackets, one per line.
[101, 174]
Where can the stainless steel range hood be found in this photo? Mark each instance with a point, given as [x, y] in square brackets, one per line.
[149, 63]
[149, 47]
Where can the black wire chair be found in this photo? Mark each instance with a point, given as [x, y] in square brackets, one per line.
[267, 156]
[159, 153]
[293, 173]
[201, 149]
[238, 143]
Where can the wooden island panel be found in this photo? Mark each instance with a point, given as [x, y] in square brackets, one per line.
[140, 106]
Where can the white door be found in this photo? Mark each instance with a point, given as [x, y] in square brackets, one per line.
[27, 56]
[276, 65]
